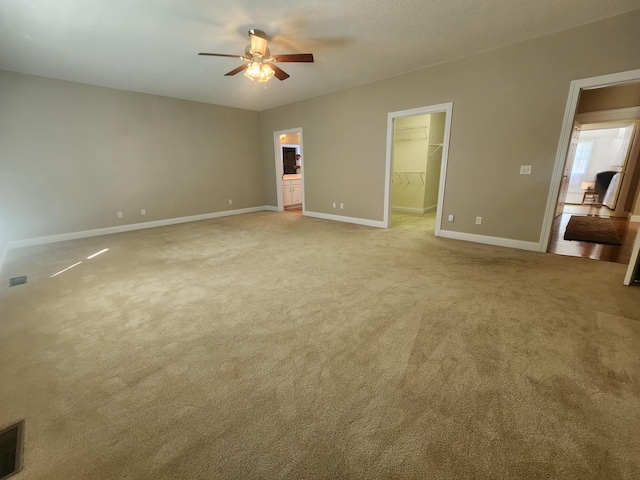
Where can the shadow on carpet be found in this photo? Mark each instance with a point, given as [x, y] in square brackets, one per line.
[592, 229]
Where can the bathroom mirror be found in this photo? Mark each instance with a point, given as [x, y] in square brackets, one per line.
[289, 153]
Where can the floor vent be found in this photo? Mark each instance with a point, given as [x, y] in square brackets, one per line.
[17, 281]
[11, 450]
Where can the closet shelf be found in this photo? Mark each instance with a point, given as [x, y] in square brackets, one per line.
[438, 146]
[406, 132]
[416, 127]
[407, 174]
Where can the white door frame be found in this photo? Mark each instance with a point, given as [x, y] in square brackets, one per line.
[277, 146]
[565, 136]
[447, 109]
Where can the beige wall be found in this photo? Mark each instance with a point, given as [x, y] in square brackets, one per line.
[3, 251]
[72, 155]
[508, 111]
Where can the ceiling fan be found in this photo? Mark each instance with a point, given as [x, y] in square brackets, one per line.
[259, 64]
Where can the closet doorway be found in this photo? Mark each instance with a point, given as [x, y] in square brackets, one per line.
[289, 170]
[417, 146]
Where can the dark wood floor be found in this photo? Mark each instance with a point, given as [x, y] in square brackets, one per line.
[610, 253]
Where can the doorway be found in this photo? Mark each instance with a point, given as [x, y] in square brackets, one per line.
[597, 170]
[417, 150]
[289, 170]
[599, 160]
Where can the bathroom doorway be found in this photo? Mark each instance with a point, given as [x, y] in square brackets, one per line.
[289, 170]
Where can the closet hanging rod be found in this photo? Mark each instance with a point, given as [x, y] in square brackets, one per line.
[406, 175]
[398, 129]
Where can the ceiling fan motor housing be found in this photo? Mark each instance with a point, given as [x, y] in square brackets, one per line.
[258, 42]
[251, 56]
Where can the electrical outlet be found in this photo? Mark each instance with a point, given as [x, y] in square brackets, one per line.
[334, 204]
[478, 220]
[341, 205]
[120, 215]
[451, 218]
[525, 169]
[143, 211]
[230, 201]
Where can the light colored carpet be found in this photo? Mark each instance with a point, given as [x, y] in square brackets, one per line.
[270, 345]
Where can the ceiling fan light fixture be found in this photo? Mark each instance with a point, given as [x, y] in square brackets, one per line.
[266, 74]
[259, 64]
[254, 69]
[259, 71]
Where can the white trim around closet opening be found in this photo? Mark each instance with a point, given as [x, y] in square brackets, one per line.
[447, 109]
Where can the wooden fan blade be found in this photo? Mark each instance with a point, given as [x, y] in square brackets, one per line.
[279, 73]
[220, 55]
[236, 70]
[295, 57]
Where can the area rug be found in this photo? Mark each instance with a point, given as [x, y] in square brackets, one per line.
[592, 229]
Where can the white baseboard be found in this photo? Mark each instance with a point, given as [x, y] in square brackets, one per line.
[634, 218]
[271, 208]
[30, 242]
[431, 208]
[498, 241]
[341, 218]
[414, 210]
[408, 210]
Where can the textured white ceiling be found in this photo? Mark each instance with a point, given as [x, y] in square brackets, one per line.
[151, 46]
